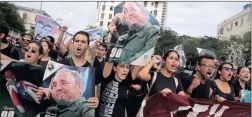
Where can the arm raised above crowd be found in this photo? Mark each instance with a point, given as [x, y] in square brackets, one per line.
[62, 47]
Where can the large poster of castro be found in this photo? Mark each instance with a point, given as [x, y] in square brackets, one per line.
[134, 34]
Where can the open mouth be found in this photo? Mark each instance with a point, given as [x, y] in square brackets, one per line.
[28, 56]
[173, 66]
[78, 50]
[209, 74]
[246, 77]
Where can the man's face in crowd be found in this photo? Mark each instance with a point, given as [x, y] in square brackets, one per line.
[121, 71]
[134, 16]
[244, 74]
[206, 68]
[25, 40]
[80, 45]
[101, 51]
[47, 31]
[65, 89]
[39, 28]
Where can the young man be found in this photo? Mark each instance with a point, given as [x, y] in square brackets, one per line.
[199, 85]
[25, 39]
[66, 91]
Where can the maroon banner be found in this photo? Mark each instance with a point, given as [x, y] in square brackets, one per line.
[174, 105]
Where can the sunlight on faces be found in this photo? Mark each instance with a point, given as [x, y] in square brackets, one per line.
[226, 75]
[121, 71]
[244, 74]
[135, 17]
[171, 62]
[45, 47]
[65, 88]
[32, 55]
[206, 71]
[80, 45]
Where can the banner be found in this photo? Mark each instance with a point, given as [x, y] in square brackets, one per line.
[45, 26]
[174, 105]
[135, 34]
[87, 74]
[94, 34]
[182, 58]
[18, 84]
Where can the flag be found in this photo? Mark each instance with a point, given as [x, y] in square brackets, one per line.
[182, 58]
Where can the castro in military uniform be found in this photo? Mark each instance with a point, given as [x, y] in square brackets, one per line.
[66, 87]
[141, 37]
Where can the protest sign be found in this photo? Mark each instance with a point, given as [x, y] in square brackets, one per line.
[182, 58]
[134, 35]
[45, 26]
[87, 74]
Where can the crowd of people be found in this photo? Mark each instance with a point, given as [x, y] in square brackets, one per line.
[120, 87]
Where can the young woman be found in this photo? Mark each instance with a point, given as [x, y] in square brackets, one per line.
[223, 90]
[243, 77]
[164, 81]
[47, 47]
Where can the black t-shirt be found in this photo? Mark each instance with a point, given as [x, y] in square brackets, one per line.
[69, 62]
[202, 91]
[227, 96]
[53, 54]
[44, 63]
[98, 70]
[114, 95]
[11, 52]
[163, 82]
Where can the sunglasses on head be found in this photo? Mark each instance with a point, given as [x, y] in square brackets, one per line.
[228, 69]
[33, 50]
[26, 39]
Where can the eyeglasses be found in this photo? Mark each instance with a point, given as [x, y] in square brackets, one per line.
[228, 69]
[27, 49]
[26, 39]
[209, 66]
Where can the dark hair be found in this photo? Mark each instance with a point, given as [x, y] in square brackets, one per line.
[40, 46]
[40, 22]
[83, 33]
[49, 44]
[200, 58]
[51, 39]
[104, 45]
[47, 26]
[4, 29]
[239, 69]
[168, 53]
[27, 34]
[221, 67]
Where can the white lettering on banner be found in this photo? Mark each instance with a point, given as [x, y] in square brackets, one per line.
[109, 96]
[7, 114]
[197, 108]
[213, 109]
[115, 52]
[221, 111]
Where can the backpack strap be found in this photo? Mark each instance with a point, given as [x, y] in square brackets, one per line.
[152, 82]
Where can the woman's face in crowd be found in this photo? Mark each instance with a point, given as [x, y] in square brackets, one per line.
[121, 71]
[226, 72]
[32, 53]
[45, 47]
[244, 74]
[171, 62]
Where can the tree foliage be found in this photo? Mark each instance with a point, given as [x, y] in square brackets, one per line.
[9, 14]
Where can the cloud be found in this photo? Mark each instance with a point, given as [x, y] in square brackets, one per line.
[200, 18]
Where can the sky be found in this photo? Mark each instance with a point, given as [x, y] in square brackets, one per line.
[186, 18]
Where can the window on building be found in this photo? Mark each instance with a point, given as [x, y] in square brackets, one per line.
[231, 26]
[24, 16]
[145, 3]
[112, 1]
[110, 16]
[101, 23]
[104, 2]
[155, 13]
[152, 3]
[156, 4]
[102, 16]
[151, 12]
[111, 8]
[103, 7]
[108, 23]
[236, 23]
[221, 30]
[241, 21]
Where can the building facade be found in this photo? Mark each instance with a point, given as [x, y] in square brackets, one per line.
[28, 15]
[236, 25]
[106, 11]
